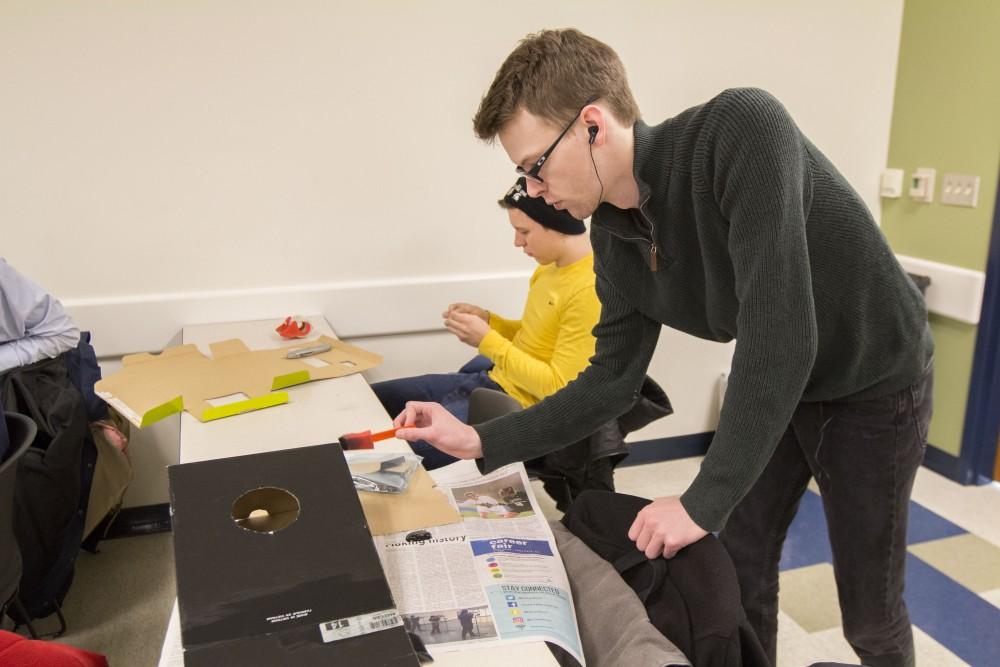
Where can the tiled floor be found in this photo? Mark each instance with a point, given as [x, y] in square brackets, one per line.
[953, 571]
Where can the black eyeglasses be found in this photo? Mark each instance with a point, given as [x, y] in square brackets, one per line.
[537, 167]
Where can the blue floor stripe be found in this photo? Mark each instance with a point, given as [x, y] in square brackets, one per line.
[961, 621]
[925, 525]
[667, 449]
[808, 544]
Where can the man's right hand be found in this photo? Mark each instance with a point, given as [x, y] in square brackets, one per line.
[481, 313]
[431, 422]
[664, 527]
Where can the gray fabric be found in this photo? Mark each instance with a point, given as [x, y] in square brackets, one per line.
[614, 628]
[33, 324]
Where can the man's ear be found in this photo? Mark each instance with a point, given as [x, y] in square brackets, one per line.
[594, 118]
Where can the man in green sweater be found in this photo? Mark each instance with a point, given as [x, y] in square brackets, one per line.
[726, 223]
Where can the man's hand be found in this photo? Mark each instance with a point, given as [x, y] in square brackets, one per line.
[433, 423]
[481, 313]
[470, 329]
[663, 527]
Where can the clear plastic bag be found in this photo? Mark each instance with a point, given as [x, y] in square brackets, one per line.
[382, 472]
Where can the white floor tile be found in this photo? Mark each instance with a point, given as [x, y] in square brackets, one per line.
[654, 480]
[797, 648]
[974, 508]
[993, 597]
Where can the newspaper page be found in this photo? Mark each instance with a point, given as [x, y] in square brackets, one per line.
[494, 577]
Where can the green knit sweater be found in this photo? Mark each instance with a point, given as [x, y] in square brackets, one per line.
[745, 231]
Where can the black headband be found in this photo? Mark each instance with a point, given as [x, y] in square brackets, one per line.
[540, 212]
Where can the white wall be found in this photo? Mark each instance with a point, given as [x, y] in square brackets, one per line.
[167, 163]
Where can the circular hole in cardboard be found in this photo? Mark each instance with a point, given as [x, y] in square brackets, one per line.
[266, 510]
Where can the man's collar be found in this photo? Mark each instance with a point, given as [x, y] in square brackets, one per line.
[653, 156]
[651, 165]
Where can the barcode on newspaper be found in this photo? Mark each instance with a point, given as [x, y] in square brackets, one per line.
[354, 626]
[389, 622]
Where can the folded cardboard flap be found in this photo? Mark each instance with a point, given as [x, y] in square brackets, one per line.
[152, 386]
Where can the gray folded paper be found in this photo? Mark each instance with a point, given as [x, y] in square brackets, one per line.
[382, 472]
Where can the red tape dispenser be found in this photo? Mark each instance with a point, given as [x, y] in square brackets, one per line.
[292, 329]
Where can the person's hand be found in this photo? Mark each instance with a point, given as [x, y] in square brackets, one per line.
[663, 527]
[481, 313]
[469, 328]
[431, 422]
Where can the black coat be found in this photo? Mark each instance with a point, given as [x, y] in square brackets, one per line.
[53, 479]
[693, 599]
[590, 463]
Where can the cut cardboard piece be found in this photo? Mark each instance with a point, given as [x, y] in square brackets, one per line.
[420, 506]
[153, 386]
[263, 595]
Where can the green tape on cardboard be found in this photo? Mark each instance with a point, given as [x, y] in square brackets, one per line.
[290, 379]
[230, 409]
[161, 411]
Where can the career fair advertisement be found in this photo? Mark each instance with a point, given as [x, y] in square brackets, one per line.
[505, 580]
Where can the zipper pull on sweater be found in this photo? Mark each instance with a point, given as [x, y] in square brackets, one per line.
[643, 220]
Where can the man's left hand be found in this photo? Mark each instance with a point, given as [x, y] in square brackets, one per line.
[469, 328]
[663, 527]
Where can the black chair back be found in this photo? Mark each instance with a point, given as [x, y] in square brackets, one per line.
[486, 404]
[21, 431]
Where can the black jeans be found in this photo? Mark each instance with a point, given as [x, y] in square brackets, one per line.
[864, 456]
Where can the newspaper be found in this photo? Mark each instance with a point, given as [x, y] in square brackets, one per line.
[494, 578]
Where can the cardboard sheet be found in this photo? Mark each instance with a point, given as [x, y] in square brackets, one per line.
[153, 386]
[420, 506]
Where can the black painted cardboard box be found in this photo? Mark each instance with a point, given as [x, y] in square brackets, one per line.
[274, 559]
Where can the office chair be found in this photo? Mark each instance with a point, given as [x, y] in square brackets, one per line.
[21, 430]
[486, 404]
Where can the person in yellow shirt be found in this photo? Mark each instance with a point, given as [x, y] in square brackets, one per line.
[529, 358]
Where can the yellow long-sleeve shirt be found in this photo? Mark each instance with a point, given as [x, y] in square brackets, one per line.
[553, 341]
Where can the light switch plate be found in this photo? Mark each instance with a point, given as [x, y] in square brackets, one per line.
[960, 190]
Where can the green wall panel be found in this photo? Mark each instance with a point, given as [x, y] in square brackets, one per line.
[946, 115]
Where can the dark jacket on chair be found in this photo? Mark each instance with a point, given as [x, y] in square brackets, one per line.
[52, 486]
[590, 463]
[693, 598]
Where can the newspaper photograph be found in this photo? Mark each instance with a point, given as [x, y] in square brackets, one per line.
[505, 579]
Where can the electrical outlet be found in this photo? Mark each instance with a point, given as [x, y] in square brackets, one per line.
[922, 185]
[960, 190]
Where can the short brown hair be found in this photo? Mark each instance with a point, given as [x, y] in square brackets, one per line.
[552, 74]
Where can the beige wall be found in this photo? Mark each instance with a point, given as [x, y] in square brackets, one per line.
[164, 163]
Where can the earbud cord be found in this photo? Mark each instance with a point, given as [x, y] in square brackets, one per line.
[597, 173]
